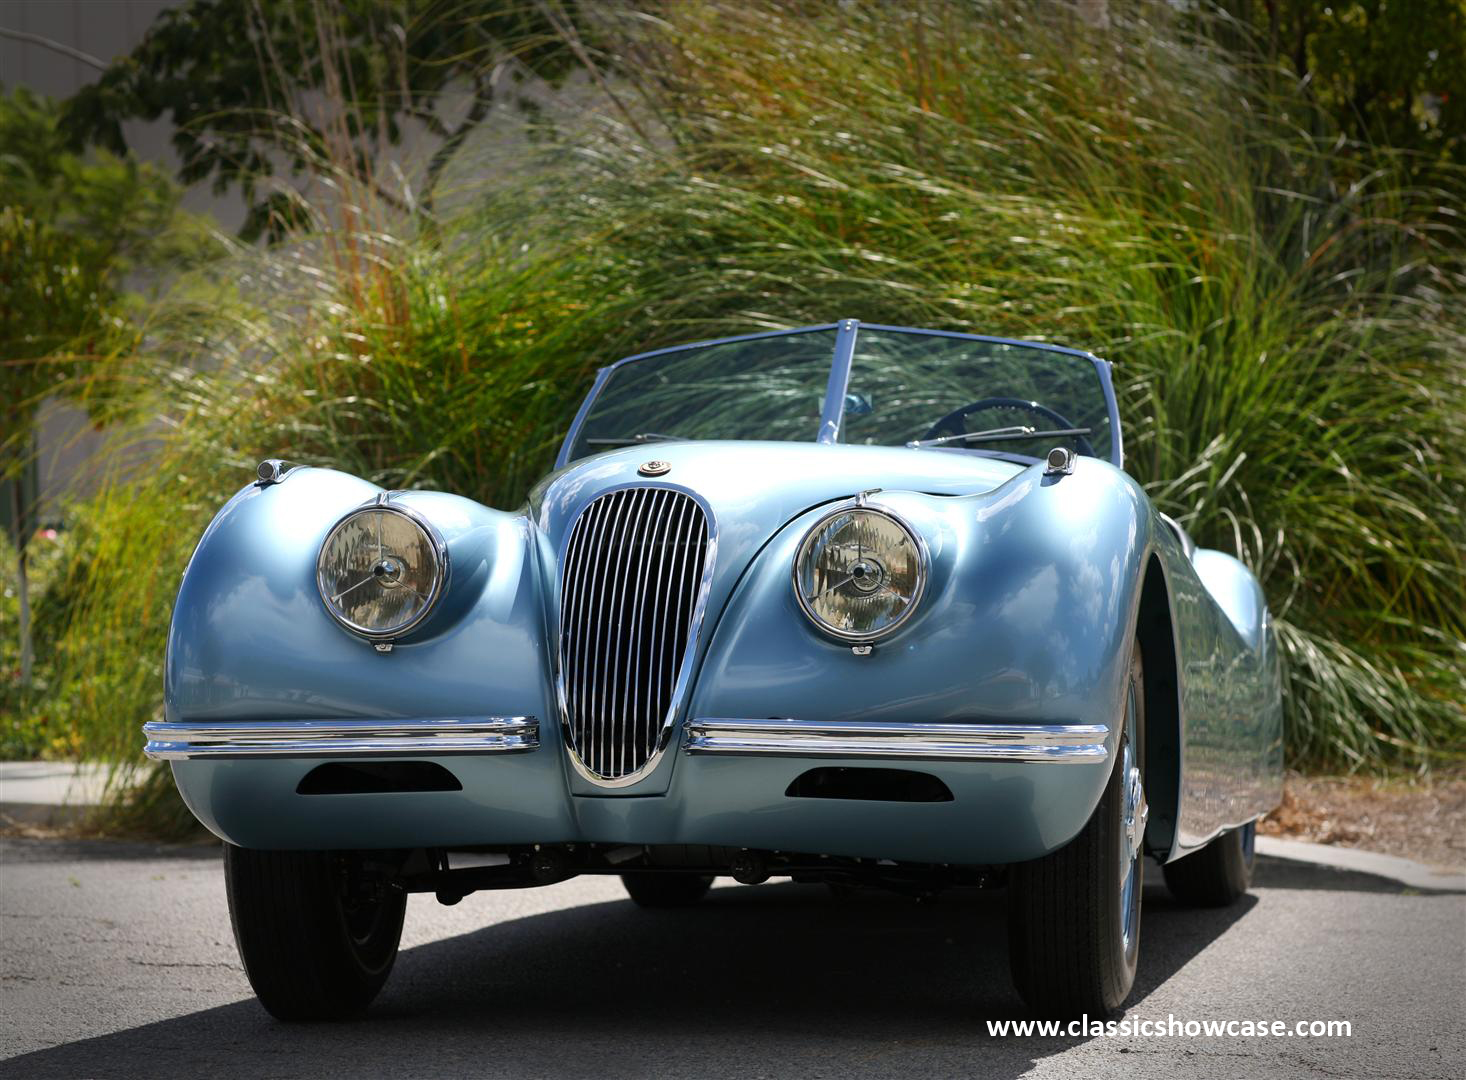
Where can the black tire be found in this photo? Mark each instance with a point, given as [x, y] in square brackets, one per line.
[309, 952]
[1219, 874]
[1068, 912]
[661, 890]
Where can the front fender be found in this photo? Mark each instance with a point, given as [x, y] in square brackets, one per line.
[250, 638]
[1028, 617]
[251, 641]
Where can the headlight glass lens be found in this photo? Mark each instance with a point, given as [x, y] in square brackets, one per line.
[379, 571]
[859, 573]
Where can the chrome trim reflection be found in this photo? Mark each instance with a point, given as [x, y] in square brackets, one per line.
[418, 736]
[1059, 462]
[1072, 743]
[272, 471]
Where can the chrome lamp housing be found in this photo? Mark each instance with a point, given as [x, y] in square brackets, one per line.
[860, 572]
[381, 570]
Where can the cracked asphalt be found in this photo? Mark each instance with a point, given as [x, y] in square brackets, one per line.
[118, 961]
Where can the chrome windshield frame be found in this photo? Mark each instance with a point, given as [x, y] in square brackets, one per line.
[832, 414]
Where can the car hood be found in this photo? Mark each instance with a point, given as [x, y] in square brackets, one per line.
[784, 477]
[753, 489]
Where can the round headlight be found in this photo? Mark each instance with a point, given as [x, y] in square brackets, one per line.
[859, 573]
[380, 570]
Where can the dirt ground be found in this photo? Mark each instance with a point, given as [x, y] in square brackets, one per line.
[1424, 820]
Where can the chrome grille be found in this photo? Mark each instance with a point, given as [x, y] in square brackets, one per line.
[630, 581]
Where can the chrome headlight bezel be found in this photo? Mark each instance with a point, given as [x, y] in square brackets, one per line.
[436, 544]
[923, 572]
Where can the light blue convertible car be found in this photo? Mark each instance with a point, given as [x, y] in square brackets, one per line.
[854, 604]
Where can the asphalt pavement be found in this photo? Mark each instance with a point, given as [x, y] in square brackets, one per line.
[118, 961]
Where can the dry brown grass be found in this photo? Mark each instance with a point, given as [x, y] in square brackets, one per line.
[1417, 818]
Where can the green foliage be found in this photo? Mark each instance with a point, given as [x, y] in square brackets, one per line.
[72, 230]
[1389, 73]
[120, 213]
[30, 724]
[327, 86]
[48, 299]
[1289, 349]
[76, 235]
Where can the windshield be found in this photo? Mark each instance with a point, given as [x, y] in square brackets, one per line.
[910, 387]
[914, 388]
[753, 388]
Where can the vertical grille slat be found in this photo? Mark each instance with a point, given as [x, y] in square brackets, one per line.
[604, 641]
[612, 640]
[631, 574]
[644, 627]
[625, 639]
[584, 610]
[577, 621]
[661, 610]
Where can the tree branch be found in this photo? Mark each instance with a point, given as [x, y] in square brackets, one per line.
[54, 46]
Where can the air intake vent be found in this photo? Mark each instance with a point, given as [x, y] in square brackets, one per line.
[632, 574]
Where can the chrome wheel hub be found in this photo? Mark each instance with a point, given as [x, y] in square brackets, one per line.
[1137, 811]
[1134, 813]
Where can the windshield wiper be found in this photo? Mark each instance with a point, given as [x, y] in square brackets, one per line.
[632, 440]
[1002, 434]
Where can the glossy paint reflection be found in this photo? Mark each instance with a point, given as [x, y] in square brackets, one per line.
[1232, 695]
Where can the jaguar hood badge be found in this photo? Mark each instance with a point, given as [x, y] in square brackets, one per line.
[654, 468]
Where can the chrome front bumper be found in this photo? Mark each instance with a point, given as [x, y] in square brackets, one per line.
[1075, 743]
[431, 736]
[419, 736]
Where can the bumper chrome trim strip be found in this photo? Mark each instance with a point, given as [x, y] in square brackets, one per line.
[417, 736]
[1072, 743]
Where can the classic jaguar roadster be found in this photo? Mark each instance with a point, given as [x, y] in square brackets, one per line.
[853, 604]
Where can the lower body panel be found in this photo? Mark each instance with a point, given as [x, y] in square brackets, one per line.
[1016, 793]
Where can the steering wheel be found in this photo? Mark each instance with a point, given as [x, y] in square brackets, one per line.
[954, 422]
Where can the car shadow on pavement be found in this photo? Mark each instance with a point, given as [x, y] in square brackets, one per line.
[1284, 874]
[774, 980]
